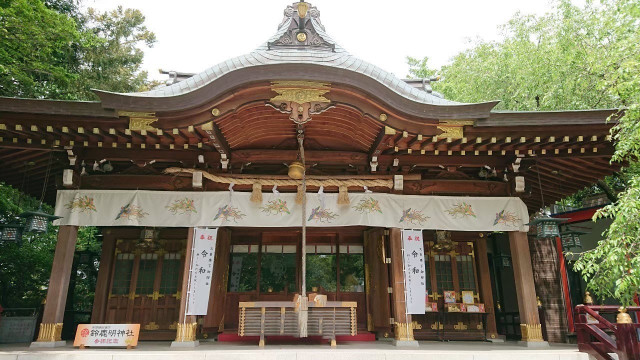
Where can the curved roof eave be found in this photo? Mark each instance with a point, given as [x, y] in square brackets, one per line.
[296, 63]
[233, 79]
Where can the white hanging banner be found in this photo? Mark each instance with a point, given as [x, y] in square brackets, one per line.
[414, 272]
[201, 270]
[214, 209]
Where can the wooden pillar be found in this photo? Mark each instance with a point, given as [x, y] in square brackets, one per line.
[52, 318]
[218, 292]
[548, 280]
[525, 287]
[486, 292]
[104, 277]
[187, 325]
[402, 321]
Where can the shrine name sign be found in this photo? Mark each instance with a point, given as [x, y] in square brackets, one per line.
[108, 335]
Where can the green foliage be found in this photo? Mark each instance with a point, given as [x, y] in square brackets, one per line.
[112, 56]
[36, 50]
[419, 69]
[571, 58]
[49, 49]
[25, 268]
[321, 272]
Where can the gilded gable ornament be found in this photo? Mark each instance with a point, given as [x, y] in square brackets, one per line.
[300, 99]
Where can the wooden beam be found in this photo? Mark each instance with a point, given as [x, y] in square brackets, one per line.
[456, 187]
[218, 140]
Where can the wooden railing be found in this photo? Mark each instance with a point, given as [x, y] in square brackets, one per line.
[600, 337]
[278, 318]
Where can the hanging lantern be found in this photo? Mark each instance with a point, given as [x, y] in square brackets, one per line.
[37, 221]
[296, 170]
[571, 238]
[148, 238]
[546, 226]
[502, 259]
[11, 233]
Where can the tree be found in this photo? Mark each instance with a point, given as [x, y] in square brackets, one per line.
[571, 58]
[617, 256]
[111, 57]
[49, 49]
[36, 50]
[25, 269]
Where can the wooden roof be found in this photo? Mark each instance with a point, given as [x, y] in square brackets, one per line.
[570, 150]
[228, 112]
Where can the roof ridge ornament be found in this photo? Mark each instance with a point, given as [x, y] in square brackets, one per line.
[302, 31]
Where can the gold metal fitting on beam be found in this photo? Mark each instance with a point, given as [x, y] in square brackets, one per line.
[50, 332]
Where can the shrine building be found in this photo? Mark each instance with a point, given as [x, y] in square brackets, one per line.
[315, 171]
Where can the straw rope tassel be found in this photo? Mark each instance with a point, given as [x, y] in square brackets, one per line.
[343, 195]
[256, 194]
[299, 195]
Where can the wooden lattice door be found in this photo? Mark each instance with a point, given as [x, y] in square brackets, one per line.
[449, 269]
[145, 287]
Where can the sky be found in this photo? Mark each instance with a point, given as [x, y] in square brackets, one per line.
[193, 35]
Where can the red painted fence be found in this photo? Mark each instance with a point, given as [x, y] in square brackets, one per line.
[600, 337]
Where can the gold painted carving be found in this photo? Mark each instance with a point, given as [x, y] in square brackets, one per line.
[437, 326]
[460, 326]
[151, 326]
[301, 37]
[140, 120]
[132, 295]
[177, 295]
[453, 129]
[451, 132]
[186, 332]
[215, 111]
[300, 99]
[404, 331]
[174, 326]
[50, 332]
[531, 332]
[300, 91]
[384, 117]
[142, 124]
